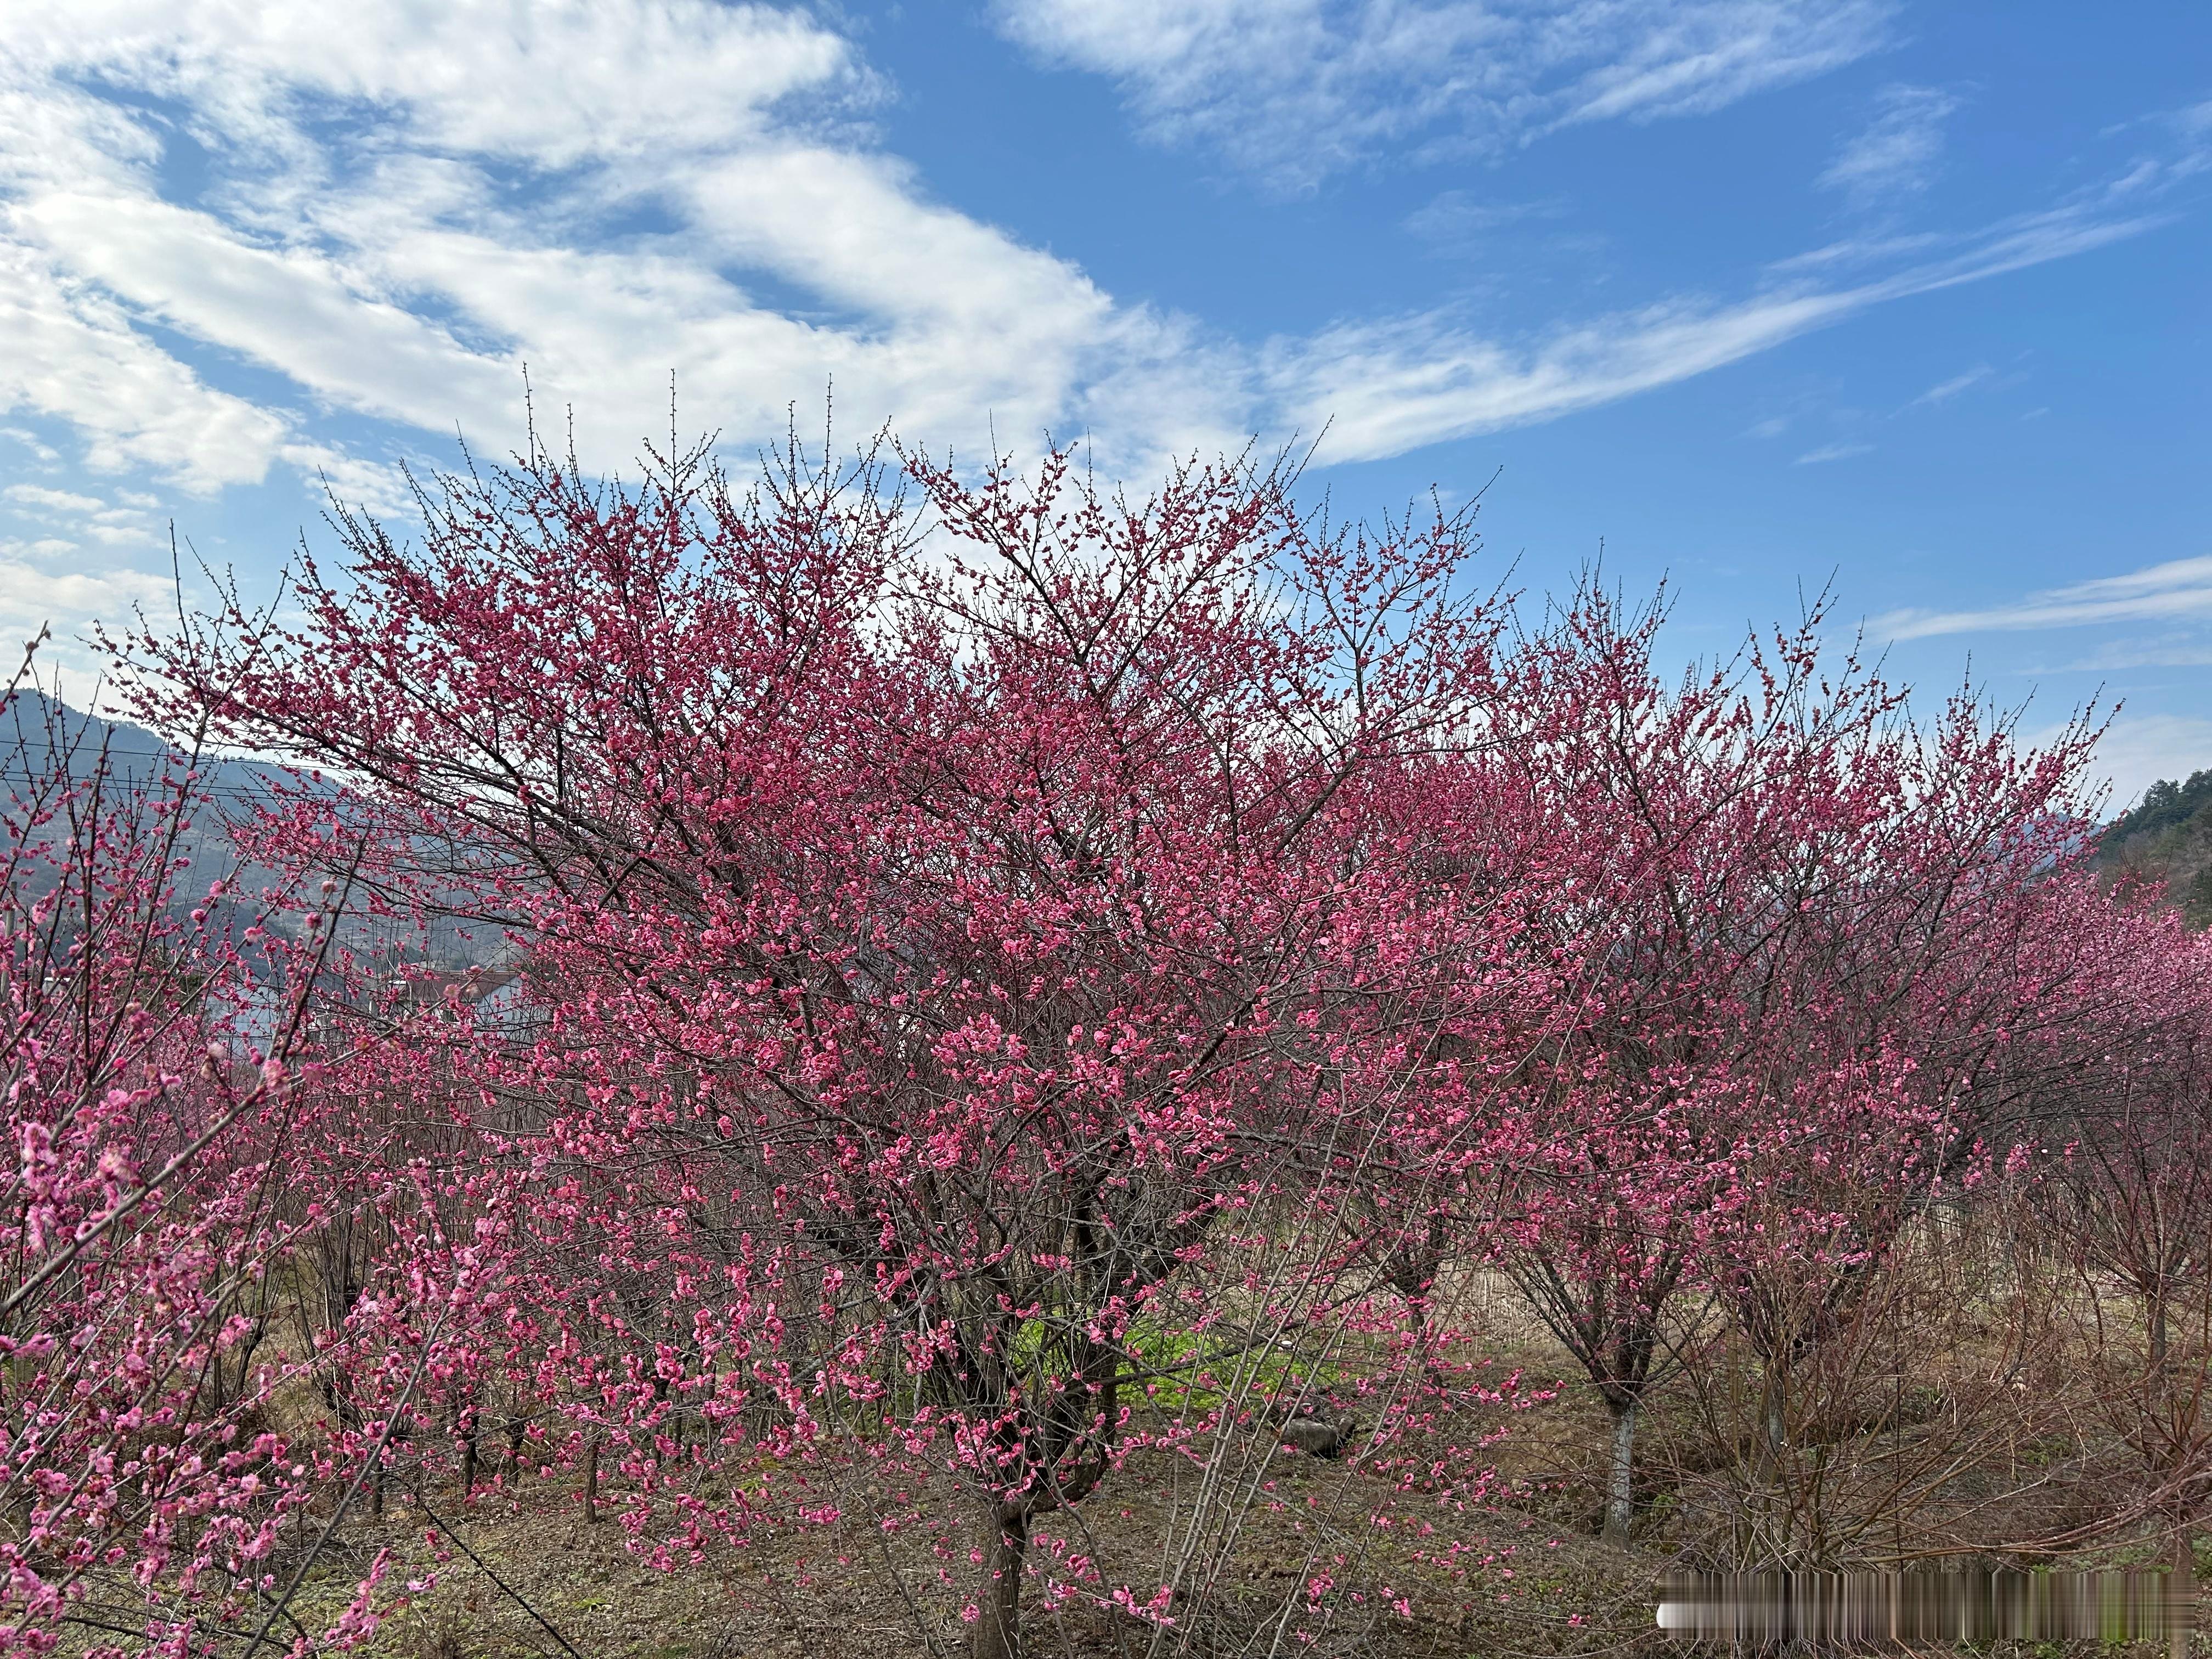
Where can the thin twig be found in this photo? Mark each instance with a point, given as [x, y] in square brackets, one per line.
[508, 1590]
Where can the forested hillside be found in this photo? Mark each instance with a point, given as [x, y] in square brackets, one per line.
[134, 769]
[2168, 837]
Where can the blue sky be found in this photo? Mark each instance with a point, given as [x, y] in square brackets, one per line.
[1756, 294]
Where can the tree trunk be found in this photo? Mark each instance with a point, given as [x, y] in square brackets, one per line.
[1414, 1276]
[1619, 1504]
[999, 1595]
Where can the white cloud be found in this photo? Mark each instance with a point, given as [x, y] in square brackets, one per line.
[1897, 154]
[2170, 651]
[73, 353]
[121, 523]
[39, 446]
[1391, 385]
[379, 486]
[288, 309]
[557, 84]
[1395, 386]
[58, 500]
[1456, 216]
[2178, 590]
[2139, 749]
[410, 204]
[1839, 451]
[30, 596]
[405, 204]
[1297, 89]
[1944, 390]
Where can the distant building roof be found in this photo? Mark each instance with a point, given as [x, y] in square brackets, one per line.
[466, 986]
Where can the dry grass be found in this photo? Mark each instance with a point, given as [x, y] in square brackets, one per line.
[1409, 1579]
[1410, 1575]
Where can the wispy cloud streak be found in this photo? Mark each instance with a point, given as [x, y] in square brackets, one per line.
[1897, 154]
[1294, 90]
[1943, 391]
[2178, 590]
[398, 215]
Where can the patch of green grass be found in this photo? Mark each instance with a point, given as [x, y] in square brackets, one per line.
[1186, 1357]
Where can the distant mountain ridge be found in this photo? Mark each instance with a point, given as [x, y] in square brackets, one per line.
[228, 790]
[2166, 837]
[34, 727]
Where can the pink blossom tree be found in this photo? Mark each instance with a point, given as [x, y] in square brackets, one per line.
[1004, 968]
[153, 1098]
[935, 959]
[1821, 959]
